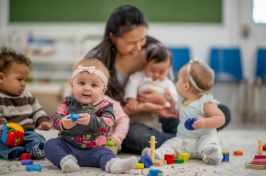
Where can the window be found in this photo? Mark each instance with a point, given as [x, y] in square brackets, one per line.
[259, 11]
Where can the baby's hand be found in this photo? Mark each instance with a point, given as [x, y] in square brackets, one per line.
[1, 126]
[45, 126]
[117, 143]
[85, 119]
[168, 96]
[132, 104]
[200, 123]
[68, 123]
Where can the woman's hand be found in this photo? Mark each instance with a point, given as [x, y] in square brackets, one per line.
[151, 96]
[167, 113]
[162, 110]
[68, 123]
[85, 119]
[132, 104]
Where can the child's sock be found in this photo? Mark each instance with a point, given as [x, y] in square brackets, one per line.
[212, 155]
[37, 151]
[158, 155]
[117, 165]
[17, 153]
[69, 164]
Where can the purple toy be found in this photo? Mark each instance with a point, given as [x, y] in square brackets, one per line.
[26, 162]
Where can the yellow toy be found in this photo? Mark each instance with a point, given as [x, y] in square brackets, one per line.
[12, 134]
[184, 156]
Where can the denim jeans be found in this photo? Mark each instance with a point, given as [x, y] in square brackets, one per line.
[56, 149]
[31, 138]
[139, 135]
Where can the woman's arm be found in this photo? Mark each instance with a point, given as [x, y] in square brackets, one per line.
[215, 117]
[152, 96]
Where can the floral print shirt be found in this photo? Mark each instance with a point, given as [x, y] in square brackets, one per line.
[95, 134]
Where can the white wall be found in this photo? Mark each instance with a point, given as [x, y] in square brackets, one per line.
[3, 20]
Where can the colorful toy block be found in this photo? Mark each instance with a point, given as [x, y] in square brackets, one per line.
[170, 158]
[260, 157]
[24, 156]
[140, 166]
[159, 162]
[146, 160]
[259, 162]
[179, 161]
[27, 162]
[238, 152]
[34, 168]
[155, 173]
[74, 117]
[225, 152]
[225, 157]
[184, 156]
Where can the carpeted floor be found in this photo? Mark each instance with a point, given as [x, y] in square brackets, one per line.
[232, 139]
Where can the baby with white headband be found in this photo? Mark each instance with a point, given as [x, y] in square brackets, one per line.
[194, 81]
[82, 141]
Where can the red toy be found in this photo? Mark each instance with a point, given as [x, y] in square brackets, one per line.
[169, 158]
[12, 134]
[264, 147]
[25, 156]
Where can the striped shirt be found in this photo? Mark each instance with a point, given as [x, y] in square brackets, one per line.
[24, 110]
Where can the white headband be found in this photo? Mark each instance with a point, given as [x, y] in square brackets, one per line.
[90, 70]
[190, 77]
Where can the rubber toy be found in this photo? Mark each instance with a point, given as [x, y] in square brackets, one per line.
[74, 117]
[189, 122]
[34, 168]
[12, 134]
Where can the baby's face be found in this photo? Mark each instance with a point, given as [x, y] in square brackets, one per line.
[14, 82]
[181, 82]
[157, 71]
[88, 88]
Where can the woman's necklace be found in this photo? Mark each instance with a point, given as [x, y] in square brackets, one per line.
[190, 101]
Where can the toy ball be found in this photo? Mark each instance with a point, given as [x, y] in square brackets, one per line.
[189, 122]
[12, 134]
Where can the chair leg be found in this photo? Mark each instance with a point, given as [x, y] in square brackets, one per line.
[260, 116]
[250, 100]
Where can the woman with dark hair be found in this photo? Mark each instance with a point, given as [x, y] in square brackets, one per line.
[124, 50]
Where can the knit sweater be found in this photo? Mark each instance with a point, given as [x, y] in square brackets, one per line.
[24, 110]
[95, 134]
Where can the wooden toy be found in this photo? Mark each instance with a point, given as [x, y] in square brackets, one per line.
[159, 162]
[152, 147]
[12, 134]
[260, 147]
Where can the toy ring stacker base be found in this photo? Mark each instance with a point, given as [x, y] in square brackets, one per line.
[12, 134]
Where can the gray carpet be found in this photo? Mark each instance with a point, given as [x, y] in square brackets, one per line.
[232, 139]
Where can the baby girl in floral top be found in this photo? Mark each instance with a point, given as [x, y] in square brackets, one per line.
[82, 142]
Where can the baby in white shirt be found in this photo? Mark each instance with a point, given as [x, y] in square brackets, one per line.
[154, 77]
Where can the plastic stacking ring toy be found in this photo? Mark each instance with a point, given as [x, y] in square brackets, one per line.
[12, 134]
[238, 153]
[189, 122]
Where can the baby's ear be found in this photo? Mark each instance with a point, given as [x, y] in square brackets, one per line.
[104, 90]
[187, 86]
[71, 84]
[2, 77]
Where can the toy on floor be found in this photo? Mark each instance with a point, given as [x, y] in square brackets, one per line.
[24, 156]
[169, 158]
[12, 134]
[146, 160]
[184, 156]
[238, 152]
[74, 117]
[264, 147]
[140, 166]
[259, 161]
[34, 168]
[155, 173]
[111, 145]
[179, 161]
[156, 162]
[225, 157]
[27, 162]
[189, 123]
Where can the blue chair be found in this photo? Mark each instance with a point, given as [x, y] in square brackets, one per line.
[227, 65]
[261, 64]
[181, 56]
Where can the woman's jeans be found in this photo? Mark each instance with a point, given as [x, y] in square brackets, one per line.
[139, 135]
